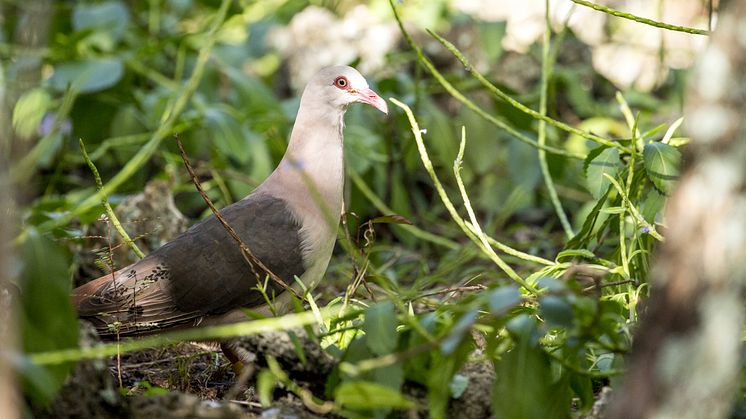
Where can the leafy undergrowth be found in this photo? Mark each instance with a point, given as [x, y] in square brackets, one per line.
[511, 231]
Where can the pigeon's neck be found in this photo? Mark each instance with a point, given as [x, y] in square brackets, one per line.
[310, 176]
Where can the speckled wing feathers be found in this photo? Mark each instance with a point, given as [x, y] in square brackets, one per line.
[200, 273]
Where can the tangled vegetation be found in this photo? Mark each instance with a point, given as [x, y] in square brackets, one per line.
[486, 223]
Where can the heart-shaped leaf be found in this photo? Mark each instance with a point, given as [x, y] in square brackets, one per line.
[662, 163]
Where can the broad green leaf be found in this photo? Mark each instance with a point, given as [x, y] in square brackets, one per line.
[438, 134]
[87, 76]
[258, 101]
[391, 376]
[525, 387]
[556, 311]
[227, 136]
[583, 388]
[483, 150]
[440, 374]
[652, 205]
[463, 325]
[523, 166]
[46, 316]
[599, 161]
[368, 395]
[380, 328]
[504, 298]
[111, 17]
[29, 111]
[551, 284]
[662, 163]
[523, 325]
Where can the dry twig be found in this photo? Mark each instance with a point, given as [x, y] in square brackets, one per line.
[245, 251]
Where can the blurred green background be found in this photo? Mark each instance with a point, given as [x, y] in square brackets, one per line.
[125, 77]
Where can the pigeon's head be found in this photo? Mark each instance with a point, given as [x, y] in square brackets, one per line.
[342, 85]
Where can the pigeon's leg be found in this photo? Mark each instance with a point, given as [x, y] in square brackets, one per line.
[239, 358]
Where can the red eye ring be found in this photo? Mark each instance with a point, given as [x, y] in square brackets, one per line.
[342, 82]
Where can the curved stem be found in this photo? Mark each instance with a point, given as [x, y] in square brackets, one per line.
[546, 66]
[640, 19]
[486, 249]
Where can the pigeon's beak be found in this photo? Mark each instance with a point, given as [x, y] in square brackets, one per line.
[371, 98]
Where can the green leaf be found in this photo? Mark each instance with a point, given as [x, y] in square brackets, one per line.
[463, 325]
[111, 17]
[227, 135]
[523, 166]
[662, 163]
[150, 389]
[652, 205]
[380, 328]
[551, 284]
[30, 110]
[490, 35]
[599, 161]
[585, 233]
[87, 76]
[265, 386]
[573, 253]
[441, 369]
[368, 395]
[556, 311]
[525, 387]
[583, 388]
[362, 148]
[438, 135]
[504, 298]
[391, 376]
[261, 164]
[46, 316]
[614, 210]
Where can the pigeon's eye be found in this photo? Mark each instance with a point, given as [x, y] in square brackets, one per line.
[342, 82]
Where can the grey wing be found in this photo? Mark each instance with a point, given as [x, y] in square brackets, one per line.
[201, 272]
[208, 270]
